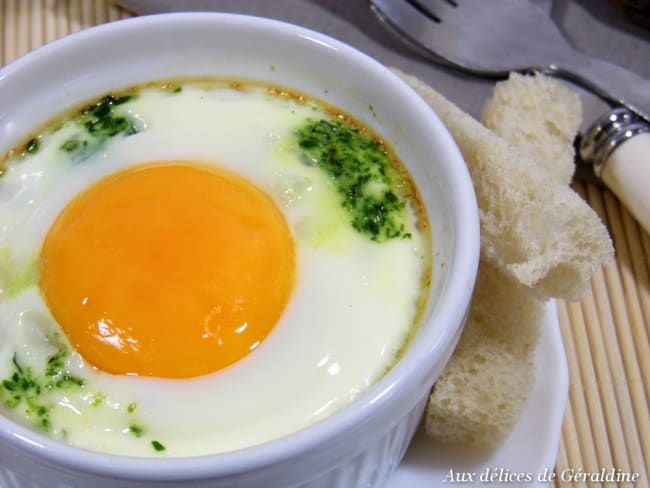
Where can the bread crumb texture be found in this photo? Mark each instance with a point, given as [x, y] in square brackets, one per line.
[533, 226]
[485, 386]
[540, 116]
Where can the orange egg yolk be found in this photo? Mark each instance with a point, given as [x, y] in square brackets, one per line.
[169, 269]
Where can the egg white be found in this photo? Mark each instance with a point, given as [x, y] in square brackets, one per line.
[354, 302]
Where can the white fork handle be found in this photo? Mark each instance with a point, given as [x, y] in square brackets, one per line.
[627, 174]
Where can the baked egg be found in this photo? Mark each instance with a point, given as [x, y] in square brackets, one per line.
[197, 267]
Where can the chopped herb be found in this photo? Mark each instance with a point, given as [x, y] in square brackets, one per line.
[131, 407]
[21, 388]
[73, 145]
[68, 380]
[100, 122]
[16, 277]
[97, 400]
[103, 106]
[157, 446]
[363, 175]
[108, 126]
[32, 146]
[24, 388]
[178, 89]
[55, 363]
[136, 430]
[58, 376]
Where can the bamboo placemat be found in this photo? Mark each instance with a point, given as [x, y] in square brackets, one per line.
[606, 335]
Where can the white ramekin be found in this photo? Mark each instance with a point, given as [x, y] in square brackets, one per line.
[363, 443]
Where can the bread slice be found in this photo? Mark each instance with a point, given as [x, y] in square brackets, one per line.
[533, 227]
[486, 384]
[540, 116]
[539, 240]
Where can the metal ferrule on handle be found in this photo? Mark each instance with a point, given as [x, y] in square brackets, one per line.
[618, 146]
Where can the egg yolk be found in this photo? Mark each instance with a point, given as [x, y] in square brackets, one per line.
[169, 269]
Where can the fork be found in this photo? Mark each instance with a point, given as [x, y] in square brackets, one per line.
[494, 37]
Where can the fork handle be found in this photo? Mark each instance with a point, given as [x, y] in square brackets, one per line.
[627, 173]
[617, 144]
[611, 82]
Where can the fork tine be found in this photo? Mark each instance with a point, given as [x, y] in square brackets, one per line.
[424, 32]
[472, 35]
[439, 10]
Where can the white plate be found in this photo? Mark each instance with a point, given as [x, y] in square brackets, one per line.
[529, 451]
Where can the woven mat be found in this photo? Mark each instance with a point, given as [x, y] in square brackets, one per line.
[607, 334]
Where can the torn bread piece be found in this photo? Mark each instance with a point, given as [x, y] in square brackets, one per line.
[485, 386]
[532, 226]
[539, 240]
[540, 116]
